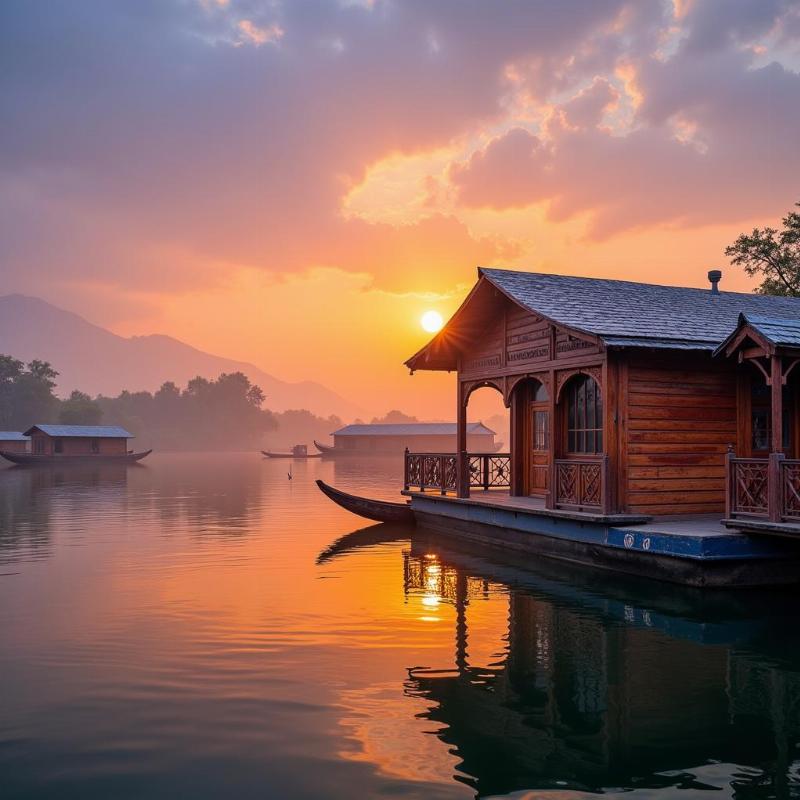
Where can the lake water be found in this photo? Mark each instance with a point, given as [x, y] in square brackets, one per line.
[203, 627]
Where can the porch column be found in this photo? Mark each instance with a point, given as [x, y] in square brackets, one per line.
[776, 456]
[462, 467]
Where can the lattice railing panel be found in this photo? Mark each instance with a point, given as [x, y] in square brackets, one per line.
[440, 471]
[579, 484]
[790, 485]
[489, 471]
[749, 486]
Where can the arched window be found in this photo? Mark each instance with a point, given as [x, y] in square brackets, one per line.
[584, 416]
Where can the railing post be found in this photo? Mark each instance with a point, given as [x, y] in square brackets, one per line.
[774, 488]
[485, 473]
[462, 474]
[605, 485]
[405, 470]
[729, 456]
[550, 499]
[442, 481]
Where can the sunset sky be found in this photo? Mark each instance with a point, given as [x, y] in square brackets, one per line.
[294, 183]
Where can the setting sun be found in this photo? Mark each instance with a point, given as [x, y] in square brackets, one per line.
[432, 321]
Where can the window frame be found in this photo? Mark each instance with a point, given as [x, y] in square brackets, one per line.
[583, 417]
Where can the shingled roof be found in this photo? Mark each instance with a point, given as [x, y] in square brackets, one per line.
[628, 314]
[619, 313]
[82, 431]
[775, 331]
[13, 436]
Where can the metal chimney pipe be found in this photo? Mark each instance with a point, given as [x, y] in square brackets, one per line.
[715, 276]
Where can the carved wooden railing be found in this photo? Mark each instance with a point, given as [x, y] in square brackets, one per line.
[581, 483]
[790, 489]
[748, 487]
[438, 471]
[763, 488]
[489, 470]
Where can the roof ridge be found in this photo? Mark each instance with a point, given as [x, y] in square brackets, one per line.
[594, 279]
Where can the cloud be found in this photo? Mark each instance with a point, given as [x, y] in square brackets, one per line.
[146, 149]
[712, 137]
[250, 33]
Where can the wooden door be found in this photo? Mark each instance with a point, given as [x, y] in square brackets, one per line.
[538, 447]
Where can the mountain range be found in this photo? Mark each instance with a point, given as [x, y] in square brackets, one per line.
[97, 361]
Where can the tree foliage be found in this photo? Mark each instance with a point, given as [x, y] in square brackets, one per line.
[221, 414]
[80, 409]
[773, 255]
[26, 393]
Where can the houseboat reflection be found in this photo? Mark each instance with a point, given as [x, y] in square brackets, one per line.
[592, 682]
[590, 691]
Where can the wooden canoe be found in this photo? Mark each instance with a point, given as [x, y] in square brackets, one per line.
[270, 454]
[324, 449]
[29, 459]
[379, 510]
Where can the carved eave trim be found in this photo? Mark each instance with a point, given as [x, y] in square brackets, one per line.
[563, 376]
[748, 332]
[542, 377]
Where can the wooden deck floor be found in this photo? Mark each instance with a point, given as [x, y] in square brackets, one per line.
[700, 525]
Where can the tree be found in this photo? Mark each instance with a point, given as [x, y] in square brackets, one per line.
[80, 409]
[394, 417]
[774, 255]
[26, 393]
[10, 370]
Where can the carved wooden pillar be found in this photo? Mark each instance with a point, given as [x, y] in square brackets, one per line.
[774, 469]
[513, 445]
[776, 379]
[462, 466]
[553, 444]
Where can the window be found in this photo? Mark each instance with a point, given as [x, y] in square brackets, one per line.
[38, 445]
[58, 446]
[584, 416]
[541, 431]
[95, 445]
[540, 395]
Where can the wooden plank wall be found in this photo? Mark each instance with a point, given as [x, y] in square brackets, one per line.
[679, 416]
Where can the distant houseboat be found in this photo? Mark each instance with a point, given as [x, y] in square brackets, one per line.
[383, 439]
[14, 442]
[653, 428]
[75, 443]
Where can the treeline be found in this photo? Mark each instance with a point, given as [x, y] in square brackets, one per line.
[222, 414]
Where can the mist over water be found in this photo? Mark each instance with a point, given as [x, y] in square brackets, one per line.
[202, 626]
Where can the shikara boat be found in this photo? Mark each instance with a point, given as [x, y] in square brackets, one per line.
[324, 449]
[270, 454]
[379, 510]
[30, 459]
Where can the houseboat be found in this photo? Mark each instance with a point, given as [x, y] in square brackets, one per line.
[394, 439]
[654, 429]
[14, 442]
[59, 444]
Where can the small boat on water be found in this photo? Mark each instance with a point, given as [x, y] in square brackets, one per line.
[379, 510]
[298, 451]
[324, 449]
[30, 459]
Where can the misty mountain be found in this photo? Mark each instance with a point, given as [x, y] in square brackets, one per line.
[97, 361]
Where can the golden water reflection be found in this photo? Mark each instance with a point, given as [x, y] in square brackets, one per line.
[204, 627]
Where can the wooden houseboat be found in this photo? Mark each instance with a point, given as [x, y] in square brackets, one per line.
[645, 419]
[393, 439]
[52, 444]
[14, 442]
